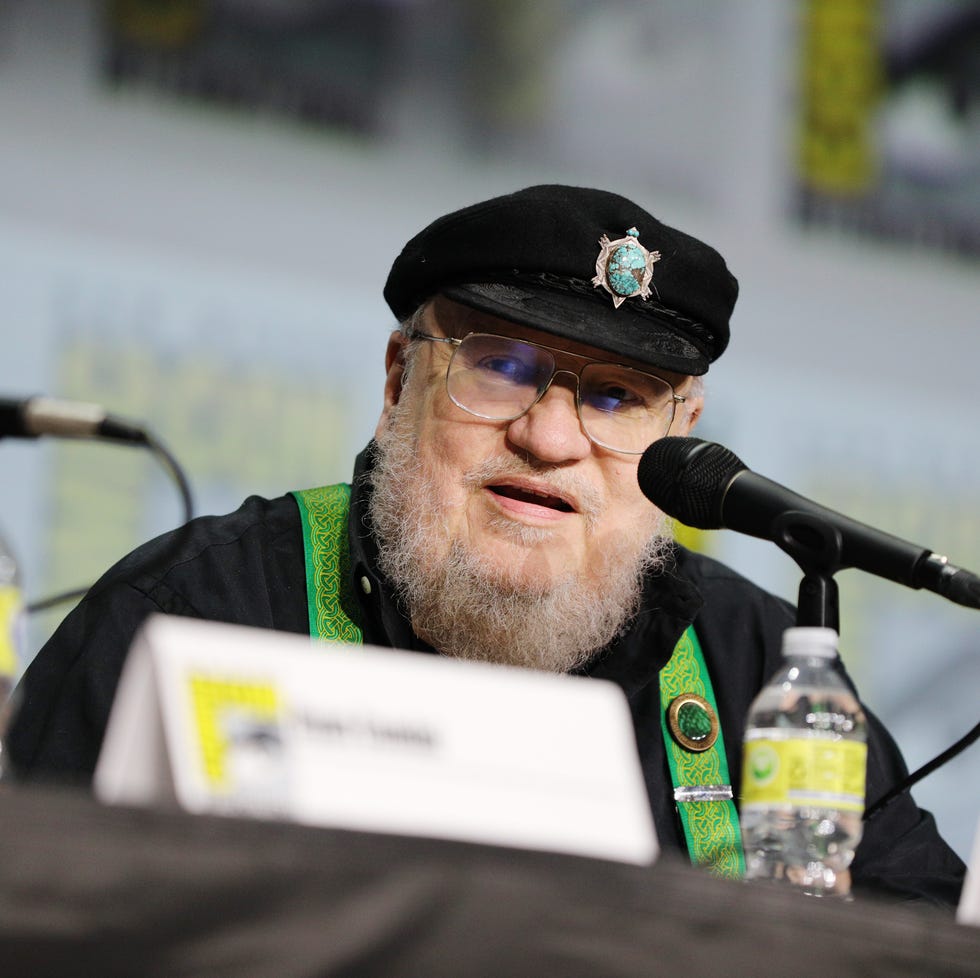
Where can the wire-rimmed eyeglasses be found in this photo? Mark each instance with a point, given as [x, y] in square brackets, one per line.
[500, 378]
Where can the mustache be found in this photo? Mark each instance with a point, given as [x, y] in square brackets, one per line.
[589, 500]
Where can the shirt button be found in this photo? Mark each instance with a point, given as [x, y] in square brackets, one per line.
[366, 584]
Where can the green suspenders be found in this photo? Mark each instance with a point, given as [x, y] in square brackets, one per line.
[696, 756]
[692, 735]
[324, 514]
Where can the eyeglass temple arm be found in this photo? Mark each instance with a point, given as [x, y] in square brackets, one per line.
[414, 334]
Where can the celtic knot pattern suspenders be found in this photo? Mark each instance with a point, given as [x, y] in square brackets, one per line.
[696, 756]
[324, 514]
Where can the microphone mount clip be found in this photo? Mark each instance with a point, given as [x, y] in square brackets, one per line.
[816, 545]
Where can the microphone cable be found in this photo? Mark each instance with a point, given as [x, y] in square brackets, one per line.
[119, 432]
[937, 762]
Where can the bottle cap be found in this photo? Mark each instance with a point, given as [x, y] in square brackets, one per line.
[820, 642]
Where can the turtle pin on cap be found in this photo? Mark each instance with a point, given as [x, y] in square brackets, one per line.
[530, 258]
[624, 267]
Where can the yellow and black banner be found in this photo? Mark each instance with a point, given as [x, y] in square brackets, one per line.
[887, 137]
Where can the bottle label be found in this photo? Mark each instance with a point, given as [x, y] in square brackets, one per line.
[804, 772]
[11, 622]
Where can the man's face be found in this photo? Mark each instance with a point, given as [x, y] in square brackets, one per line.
[533, 499]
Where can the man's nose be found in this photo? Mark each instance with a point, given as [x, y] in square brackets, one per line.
[551, 430]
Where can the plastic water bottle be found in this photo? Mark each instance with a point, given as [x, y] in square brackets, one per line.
[11, 637]
[803, 771]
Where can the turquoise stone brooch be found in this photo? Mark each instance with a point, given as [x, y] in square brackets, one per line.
[624, 267]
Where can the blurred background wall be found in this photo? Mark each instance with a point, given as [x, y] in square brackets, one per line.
[200, 199]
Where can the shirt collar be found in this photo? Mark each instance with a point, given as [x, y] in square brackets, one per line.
[670, 603]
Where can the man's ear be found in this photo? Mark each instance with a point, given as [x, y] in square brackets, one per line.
[690, 412]
[395, 376]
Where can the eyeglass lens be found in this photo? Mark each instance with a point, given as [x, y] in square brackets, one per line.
[499, 378]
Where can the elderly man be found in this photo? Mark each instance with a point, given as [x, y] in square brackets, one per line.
[546, 339]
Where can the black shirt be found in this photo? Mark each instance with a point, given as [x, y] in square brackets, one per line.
[248, 568]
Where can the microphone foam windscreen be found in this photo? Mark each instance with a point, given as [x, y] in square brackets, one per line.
[687, 479]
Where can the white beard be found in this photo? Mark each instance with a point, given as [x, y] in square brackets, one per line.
[469, 609]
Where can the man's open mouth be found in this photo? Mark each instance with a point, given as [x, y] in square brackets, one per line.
[531, 496]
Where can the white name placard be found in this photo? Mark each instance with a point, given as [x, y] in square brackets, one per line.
[968, 911]
[226, 719]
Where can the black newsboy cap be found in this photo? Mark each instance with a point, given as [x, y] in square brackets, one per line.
[535, 257]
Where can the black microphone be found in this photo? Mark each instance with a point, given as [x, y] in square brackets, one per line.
[32, 417]
[706, 486]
